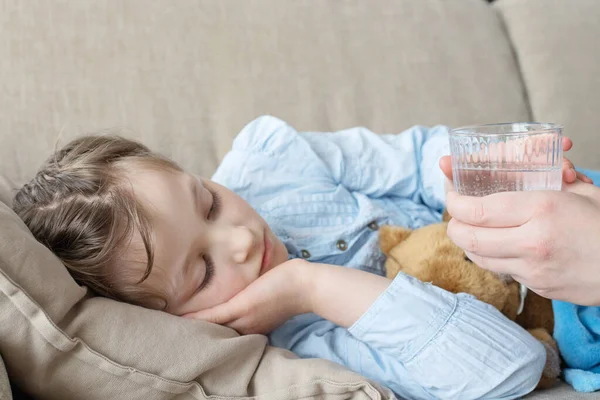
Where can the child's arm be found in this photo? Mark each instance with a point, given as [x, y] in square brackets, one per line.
[453, 346]
[414, 337]
[386, 165]
[273, 153]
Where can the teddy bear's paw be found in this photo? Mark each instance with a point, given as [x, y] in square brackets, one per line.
[552, 367]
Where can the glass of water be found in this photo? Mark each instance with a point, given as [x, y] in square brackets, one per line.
[495, 158]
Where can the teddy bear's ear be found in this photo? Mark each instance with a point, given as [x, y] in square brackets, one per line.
[445, 216]
[390, 236]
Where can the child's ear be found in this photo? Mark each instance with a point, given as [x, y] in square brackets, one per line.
[445, 216]
[390, 236]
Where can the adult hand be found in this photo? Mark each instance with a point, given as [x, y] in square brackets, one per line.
[266, 303]
[547, 240]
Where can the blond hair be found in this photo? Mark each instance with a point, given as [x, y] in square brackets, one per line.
[81, 206]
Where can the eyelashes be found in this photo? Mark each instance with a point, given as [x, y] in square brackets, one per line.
[213, 213]
[208, 275]
[215, 208]
[210, 271]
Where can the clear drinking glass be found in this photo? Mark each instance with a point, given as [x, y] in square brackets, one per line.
[495, 158]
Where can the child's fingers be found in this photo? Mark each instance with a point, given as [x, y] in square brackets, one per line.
[243, 326]
[220, 314]
[567, 143]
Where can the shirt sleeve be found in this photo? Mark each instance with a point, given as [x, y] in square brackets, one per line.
[425, 343]
[393, 165]
[402, 165]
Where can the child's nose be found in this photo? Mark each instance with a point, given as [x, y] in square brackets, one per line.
[235, 242]
[242, 242]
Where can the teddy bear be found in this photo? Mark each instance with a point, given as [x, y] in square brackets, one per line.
[429, 255]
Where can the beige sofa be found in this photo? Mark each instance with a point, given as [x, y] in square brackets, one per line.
[184, 76]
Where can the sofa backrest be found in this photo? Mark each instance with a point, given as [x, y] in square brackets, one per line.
[556, 45]
[185, 76]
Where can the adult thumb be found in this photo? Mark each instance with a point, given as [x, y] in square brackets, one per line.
[446, 166]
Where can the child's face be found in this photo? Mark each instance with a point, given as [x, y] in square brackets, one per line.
[209, 243]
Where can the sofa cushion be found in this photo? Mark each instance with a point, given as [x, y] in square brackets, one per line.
[6, 190]
[5, 392]
[561, 391]
[185, 76]
[556, 43]
[58, 342]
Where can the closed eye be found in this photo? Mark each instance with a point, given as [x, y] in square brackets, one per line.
[215, 207]
[208, 275]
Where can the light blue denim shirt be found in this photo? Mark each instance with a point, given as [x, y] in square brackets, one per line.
[324, 195]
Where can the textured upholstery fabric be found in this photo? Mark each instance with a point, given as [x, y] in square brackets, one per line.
[185, 76]
[4, 383]
[562, 392]
[556, 43]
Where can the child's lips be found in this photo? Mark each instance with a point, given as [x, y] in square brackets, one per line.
[267, 254]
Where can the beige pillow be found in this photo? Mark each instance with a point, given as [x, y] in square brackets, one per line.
[5, 197]
[58, 342]
[6, 190]
[5, 393]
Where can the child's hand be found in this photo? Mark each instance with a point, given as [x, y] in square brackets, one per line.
[266, 303]
[569, 173]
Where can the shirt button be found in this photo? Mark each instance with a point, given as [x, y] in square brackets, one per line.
[342, 245]
[305, 253]
[373, 226]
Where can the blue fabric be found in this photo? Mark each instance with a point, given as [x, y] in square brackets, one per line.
[577, 333]
[315, 189]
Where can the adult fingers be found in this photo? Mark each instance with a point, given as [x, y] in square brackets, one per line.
[498, 210]
[584, 178]
[446, 166]
[488, 242]
[567, 143]
[509, 266]
[568, 171]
